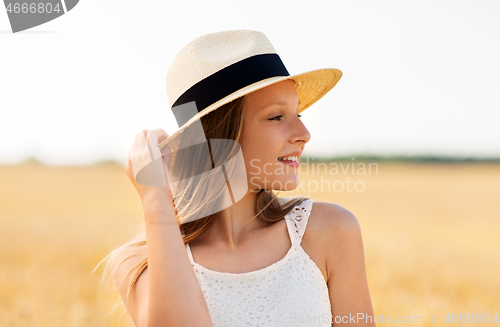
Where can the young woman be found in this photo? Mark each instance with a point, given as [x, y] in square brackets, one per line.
[216, 251]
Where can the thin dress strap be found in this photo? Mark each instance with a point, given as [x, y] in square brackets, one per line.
[296, 220]
[190, 255]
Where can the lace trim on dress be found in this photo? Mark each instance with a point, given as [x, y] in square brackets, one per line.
[296, 221]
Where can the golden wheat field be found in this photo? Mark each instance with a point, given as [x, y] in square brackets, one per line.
[430, 233]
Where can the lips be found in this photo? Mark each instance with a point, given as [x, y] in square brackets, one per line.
[289, 158]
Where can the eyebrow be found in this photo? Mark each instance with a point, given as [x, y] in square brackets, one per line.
[281, 103]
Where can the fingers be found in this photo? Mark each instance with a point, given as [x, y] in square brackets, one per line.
[145, 149]
[153, 140]
[161, 135]
[152, 137]
[156, 136]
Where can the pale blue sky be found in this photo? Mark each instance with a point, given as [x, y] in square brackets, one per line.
[420, 77]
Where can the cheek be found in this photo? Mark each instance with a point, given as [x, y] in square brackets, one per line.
[255, 141]
[261, 145]
[261, 151]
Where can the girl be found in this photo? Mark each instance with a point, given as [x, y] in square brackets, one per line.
[218, 247]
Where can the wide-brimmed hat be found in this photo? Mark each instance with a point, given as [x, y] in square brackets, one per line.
[217, 68]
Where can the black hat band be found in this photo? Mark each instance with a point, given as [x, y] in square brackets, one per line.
[229, 80]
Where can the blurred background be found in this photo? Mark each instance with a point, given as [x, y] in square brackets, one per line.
[418, 104]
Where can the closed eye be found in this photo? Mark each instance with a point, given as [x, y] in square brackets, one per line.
[278, 118]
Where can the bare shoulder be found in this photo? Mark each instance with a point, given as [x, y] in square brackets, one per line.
[330, 220]
[123, 269]
[333, 236]
[336, 233]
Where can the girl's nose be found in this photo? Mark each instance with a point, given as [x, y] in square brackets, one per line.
[301, 133]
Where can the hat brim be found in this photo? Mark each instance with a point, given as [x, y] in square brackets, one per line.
[311, 86]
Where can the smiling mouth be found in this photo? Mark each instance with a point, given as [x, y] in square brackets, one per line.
[289, 159]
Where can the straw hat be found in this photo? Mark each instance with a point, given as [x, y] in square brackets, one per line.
[217, 68]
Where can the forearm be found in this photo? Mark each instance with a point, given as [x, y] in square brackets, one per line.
[175, 297]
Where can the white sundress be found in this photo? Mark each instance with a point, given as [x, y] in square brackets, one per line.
[290, 292]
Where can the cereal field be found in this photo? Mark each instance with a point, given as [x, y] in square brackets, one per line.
[430, 232]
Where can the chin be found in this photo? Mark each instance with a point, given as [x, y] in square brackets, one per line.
[290, 187]
[286, 185]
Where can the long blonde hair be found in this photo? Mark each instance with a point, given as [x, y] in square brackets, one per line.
[223, 123]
